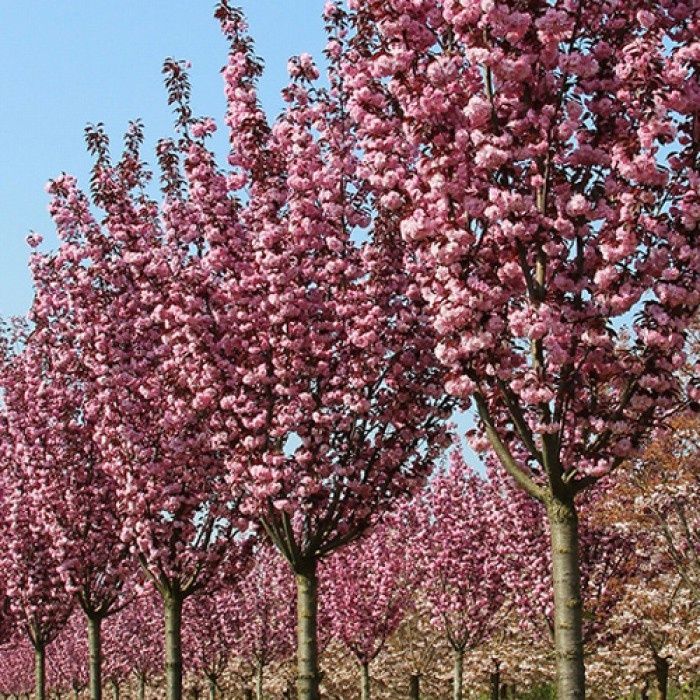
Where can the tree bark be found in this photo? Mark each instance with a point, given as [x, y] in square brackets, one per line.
[212, 687]
[248, 694]
[40, 671]
[495, 683]
[115, 690]
[308, 676]
[661, 671]
[568, 618]
[173, 646]
[142, 686]
[365, 687]
[94, 628]
[414, 687]
[457, 673]
[259, 682]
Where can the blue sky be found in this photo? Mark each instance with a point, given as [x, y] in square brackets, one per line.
[68, 62]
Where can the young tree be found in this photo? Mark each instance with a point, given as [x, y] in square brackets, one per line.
[209, 635]
[32, 448]
[79, 503]
[335, 407]
[462, 558]
[145, 333]
[68, 667]
[543, 162]
[16, 667]
[260, 607]
[368, 587]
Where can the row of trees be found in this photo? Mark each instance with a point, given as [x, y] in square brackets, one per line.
[488, 204]
[439, 580]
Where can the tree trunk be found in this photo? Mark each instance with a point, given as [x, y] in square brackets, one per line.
[115, 690]
[142, 686]
[644, 695]
[259, 682]
[307, 641]
[248, 694]
[365, 688]
[212, 687]
[173, 646]
[94, 628]
[495, 683]
[457, 673]
[566, 576]
[661, 671]
[40, 672]
[414, 687]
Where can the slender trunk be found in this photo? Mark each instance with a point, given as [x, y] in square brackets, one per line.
[141, 692]
[495, 683]
[94, 628]
[259, 682]
[307, 642]
[248, 694]
[457, 673]
[365, 688]
[414, 687]
[644, 695]
[566, 575]
[173, 646]
[40, 671]
[661, 671]
[212, 687]
[115, 690]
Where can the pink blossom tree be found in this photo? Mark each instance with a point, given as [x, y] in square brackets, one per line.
[543, 161]
[32, 447]
[462, 557]
[261, 608]
[16, 666]
[140, 624]
[368, 587]
[68, 660]
[337, 403]
[208, 635]
[79, 508]
[145, 333]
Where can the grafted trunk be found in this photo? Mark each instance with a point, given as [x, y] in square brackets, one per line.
[568, 619]
[365, 688]
[308, 677]
[173, 646]
[414, 687]
[457, 673]
[94, 628]
[661, 671]
[40, 671]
